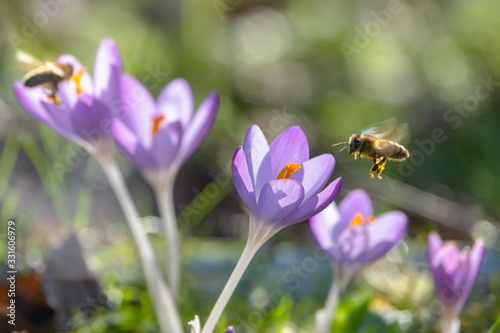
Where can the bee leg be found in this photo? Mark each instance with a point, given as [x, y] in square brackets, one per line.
[381, 167]
[373, 169]
[355, 156]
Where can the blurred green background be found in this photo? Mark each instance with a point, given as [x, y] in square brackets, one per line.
[332, 67]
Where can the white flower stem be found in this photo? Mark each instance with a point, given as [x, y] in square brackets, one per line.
[165, 199]
[164, 305]
[254, 242]
[449, 322]
[325, 316]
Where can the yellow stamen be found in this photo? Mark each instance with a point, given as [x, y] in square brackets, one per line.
[77, 78]
[157, 122]
[287, 171]
[53, 99]
[359, 219]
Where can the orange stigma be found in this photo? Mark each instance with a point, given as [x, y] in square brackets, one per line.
[157, 119]
[359, 219]
[77, 78]
[287, 171]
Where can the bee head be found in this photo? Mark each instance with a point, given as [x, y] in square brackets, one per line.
[354, 143]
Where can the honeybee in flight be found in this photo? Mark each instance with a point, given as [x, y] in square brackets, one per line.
[378, 143]
[47, 75]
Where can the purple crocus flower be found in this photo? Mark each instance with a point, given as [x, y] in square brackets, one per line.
[454, 273]
[230, 329]
[278, 183]
[352, 236]
[84, 107]
[158, 136]
[280, 186]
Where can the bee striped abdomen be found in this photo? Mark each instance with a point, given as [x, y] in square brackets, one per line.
[41, 78]
[400, 153]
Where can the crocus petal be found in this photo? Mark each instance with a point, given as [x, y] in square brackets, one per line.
[258, 158]
[107, 73]
[314, 174]
[31, 99]
[473, 261]
[166, 144]
[449, 257]
[138, 108]
[176, 102]
[243, 181]
[357, 201]
[475, 258]
[197, 130]
[67, 92]
[131, 148]
[317, 203]
[322, 226]
[434, 244]
[289, 147]
[279, 198]
[91, 120]
[352, 246]
[385, 233]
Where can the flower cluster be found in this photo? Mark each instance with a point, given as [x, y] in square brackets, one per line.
[279, 183]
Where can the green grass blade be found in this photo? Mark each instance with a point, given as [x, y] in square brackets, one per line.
[8, 160]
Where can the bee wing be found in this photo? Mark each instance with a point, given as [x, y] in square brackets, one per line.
[400, 134]
[28, 59]
[382, 129]
[388, 130]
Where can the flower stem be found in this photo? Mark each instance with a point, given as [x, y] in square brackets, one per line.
[164, 305]
[165, 199]
[247, 255]
[449, 322]
[324, 317]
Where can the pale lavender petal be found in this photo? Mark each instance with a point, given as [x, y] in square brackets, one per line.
[317, 203]
[91, 119]
[352, 245]
[230, 329]
[243, 181]
[199, 127]
[449, 257]
[138, 109]
[434, 244]
[67, 92]
[322, 226]
[176, 102]
[166, 144]
[473, 262]
[131, 147]
[475, 257]
[357, 201]
[107, 73]
[289, 147]
[385, 233]
[258, 158]
[314, 174]
[30, 100]
[279, 198]
[61, 116]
